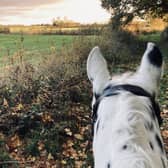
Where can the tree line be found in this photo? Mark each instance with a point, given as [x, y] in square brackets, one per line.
[124, 11]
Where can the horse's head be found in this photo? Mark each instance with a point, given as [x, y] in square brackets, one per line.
[147, 75]
[126, 116]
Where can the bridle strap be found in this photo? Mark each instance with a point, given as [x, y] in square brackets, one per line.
[115, 90]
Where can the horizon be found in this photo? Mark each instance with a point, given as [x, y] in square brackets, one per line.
[41, 12]
[67, 20]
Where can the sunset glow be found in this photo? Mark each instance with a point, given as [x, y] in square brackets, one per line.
[41, 11]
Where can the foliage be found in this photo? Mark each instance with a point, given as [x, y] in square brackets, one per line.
[40, 118]
[164, 35]
[3, 153]
[45, 110]
[153, 36]
[124, 11]
[58, 28]
[4, 29]
[58, 22]
[33, 48]
[110, 42]
[120, 46]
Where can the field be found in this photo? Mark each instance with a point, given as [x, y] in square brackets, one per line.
[32, 47]
[45, 112]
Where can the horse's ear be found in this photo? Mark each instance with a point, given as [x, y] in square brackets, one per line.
[151, 67]
[97, 70]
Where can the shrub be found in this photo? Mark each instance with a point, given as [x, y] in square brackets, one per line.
[4, 29]
[120, 46]
[41, 98]
[164, 35]
[117, 46]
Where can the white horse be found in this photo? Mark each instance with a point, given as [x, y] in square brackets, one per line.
[126, 116]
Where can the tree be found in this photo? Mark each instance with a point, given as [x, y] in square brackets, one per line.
[123, 11]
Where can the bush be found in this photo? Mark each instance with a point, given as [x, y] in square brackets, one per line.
[164, 35]
[40, 99]
[117, 46]
[120, 46]
[38, 103]
[4, 29]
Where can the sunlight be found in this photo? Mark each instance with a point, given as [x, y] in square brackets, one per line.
[86, 11]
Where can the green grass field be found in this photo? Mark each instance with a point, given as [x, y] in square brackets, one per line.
[32, 47]
[154, 37]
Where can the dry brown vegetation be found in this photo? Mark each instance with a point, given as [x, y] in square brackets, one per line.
[45, 117]
[45, 110]
[146, 26]
[72, 28]
[51, 29]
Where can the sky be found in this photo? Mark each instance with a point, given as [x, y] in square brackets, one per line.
[29, 12]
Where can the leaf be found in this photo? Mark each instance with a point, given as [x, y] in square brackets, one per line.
[19, 107]
[2, 136]
[14, 142]
[70, 143]
[50, 157]
[78, 164]
[68, 131]
[165, 133]
[46, 117]
[78, 136]
[40, 146]
[64, 162]
[5, 103]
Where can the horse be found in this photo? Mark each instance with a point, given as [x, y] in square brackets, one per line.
[125, 113]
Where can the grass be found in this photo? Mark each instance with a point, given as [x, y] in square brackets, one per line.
[153, 37]
[34, 48]
[156, 38]
[31, 46]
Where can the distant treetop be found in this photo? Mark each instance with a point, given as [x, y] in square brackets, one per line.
[123, 11]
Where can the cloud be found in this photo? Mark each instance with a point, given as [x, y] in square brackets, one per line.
[14, 9]
[28, 3]
[43, 11]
